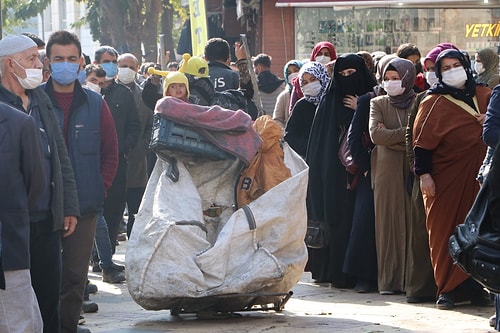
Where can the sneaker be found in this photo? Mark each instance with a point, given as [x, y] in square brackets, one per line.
[492, 320]
[122, 237]
[112, 276]
[80, 329]
[91, 288]
[89, 307]
[81, 321]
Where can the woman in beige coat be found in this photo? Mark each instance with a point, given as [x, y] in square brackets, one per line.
[390, 168]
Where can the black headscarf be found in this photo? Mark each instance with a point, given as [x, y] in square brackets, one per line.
[358, 83]
[442, 88]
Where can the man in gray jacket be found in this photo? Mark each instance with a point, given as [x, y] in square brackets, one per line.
[55, 212]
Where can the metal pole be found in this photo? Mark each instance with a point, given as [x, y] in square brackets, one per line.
[1, 20]
[162, 53]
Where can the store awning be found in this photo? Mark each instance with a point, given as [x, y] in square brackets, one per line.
[390, 3]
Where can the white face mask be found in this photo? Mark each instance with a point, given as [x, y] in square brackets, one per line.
[126, 75]
[292, 76]
[311, 89]
[394, 87]
[455, 77]
[94, 87]
[431, 78]
[323, 59]
[478, 67]
[34, 77]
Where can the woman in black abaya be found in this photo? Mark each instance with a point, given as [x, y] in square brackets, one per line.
[329, 198]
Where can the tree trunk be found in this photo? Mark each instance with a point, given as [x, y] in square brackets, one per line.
[113, 15]
[167, 25]
[134, 29]
[150, 30]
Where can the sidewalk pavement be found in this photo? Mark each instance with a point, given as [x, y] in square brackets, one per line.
[313, 307]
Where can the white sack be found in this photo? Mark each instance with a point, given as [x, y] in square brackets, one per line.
[170, 255]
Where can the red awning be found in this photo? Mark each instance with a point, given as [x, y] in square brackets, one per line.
[389, 3]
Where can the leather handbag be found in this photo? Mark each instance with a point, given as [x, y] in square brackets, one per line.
[317, 234]
[345, 156]
[475, 245]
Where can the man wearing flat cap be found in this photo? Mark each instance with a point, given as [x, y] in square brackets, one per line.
[55, 212]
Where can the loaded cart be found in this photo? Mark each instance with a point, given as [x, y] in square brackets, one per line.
[195, 247]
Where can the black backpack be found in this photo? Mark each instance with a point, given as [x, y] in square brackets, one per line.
[475, 245]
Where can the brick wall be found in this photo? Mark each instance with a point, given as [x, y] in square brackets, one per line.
[277, 35]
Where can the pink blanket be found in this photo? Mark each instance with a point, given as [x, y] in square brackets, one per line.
[229, 130]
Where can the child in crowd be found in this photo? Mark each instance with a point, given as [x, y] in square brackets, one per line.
[176, 85]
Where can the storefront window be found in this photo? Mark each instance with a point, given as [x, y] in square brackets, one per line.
[384, 29]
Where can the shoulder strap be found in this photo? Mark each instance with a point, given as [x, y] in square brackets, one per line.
[464, 105]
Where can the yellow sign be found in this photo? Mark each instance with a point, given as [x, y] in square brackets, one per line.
[476, 30]
[198, 26]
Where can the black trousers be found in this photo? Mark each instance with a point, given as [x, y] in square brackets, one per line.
[114, 205]
[45, 250]
[134, 198]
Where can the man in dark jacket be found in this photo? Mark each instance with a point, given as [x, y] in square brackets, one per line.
[270, 86]
[23, 183]
[56, 211]
[88, 129]
[128, 127]
[218, 56]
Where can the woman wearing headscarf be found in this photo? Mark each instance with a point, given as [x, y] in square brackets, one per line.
[328, 198]
[390, 168]
[313, 80]
[361, 256]
[324, 53]
[281, 109]
[448, 150]
[419, 285]
[486, 67]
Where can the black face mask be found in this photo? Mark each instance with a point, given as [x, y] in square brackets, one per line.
[350, 85]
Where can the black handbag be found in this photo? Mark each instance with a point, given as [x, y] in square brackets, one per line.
[475, 245]
[317, 234]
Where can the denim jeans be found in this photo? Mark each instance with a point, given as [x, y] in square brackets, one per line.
[102, 243]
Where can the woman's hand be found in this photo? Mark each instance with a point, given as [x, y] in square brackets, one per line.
[350, 101]
[480, 118]
[427, 185]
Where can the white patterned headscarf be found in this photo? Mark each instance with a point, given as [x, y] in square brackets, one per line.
[317, 70]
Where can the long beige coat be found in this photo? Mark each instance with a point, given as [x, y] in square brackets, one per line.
[390, 170]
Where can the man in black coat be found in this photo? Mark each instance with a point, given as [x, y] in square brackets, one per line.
[128, 127]
[55, 213]
[23, 183]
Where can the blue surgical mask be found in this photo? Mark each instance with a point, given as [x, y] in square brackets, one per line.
[64, 73]
[111, 70]
[82, 76]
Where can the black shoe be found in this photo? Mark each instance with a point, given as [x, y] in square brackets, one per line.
[96, 268]
[90, 288]
[112, 276]
[481, 298]
[365, 286]
[119, 268]
[89, 307]
[445, 301]
[420, 299]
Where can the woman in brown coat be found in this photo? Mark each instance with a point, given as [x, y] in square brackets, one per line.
[448, 153]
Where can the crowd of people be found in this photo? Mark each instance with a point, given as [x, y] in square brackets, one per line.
[74, 137]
